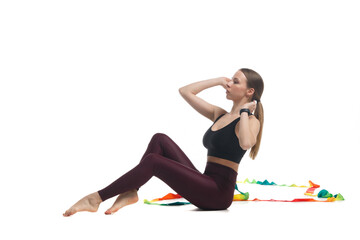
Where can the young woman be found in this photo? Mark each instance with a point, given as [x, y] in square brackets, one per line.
[227, 140]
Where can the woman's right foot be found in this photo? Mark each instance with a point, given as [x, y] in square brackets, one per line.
[88, 203]
[124, 199]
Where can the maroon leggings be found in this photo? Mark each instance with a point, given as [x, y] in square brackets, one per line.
[211, 190]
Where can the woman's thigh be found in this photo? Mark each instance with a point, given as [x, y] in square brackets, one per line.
[199, 189]
[162, 144]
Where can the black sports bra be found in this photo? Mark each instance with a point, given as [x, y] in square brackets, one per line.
[224, 143]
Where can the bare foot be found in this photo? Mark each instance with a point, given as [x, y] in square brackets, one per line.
[123, 199]
[88, 203]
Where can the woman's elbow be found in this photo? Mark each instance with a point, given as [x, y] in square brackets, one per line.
[248, 145]
[245, 146]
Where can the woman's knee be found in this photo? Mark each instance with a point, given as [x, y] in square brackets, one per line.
[159, 135]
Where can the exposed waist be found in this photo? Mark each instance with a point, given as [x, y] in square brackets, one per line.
[224, 162]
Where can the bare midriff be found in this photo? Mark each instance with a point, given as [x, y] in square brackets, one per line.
[224, 162]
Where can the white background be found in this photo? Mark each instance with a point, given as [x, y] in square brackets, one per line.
[84, 85]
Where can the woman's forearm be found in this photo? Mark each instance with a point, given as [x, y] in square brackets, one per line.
[246, 138]
[197, 87]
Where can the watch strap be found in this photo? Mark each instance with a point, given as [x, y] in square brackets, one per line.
[245, 110]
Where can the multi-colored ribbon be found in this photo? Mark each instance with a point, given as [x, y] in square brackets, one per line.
[245, 196]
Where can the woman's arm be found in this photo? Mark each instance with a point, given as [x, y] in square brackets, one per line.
[248, 131]
[206, 109]
[197, 87]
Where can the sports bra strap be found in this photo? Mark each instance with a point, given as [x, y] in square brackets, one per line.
[223, 115]
[219, 117]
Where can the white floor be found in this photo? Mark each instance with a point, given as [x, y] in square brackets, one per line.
[42, 219]
[253, 220]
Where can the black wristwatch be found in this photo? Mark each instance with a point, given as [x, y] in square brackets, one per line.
[245, 110]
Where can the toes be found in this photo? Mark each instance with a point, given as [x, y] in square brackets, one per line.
[68, 213]
[111, 211]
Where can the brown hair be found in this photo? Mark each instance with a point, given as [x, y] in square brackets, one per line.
[255, 81]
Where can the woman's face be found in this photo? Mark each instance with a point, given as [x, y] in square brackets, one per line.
[237, 86]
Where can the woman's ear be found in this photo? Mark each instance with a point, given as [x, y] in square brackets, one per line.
[250, 93]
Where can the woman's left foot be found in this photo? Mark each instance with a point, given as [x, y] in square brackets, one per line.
[88, 203]
[127, 198]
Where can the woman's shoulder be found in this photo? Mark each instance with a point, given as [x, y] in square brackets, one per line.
[218, 114]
